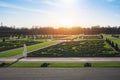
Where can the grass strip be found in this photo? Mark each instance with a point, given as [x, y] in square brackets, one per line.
[106, 65]
[26, 65]
[65, 65]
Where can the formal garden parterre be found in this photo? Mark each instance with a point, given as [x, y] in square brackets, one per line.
[83, 48]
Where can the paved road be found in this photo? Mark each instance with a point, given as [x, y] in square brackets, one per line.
[72, 59]
[59, 74]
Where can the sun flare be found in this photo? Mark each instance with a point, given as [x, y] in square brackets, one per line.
[67, 22]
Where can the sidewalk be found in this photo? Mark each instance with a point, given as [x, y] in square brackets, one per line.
[62, 60]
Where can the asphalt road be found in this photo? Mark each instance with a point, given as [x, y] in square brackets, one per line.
[59, 73]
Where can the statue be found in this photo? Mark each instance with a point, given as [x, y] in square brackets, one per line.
[25, 51]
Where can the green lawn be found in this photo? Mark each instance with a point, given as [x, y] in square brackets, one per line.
[113, 39]
[106, 64]
[106, 45]
[30, 48]
[41, 40]
[0, 40]
[71, 37]
[65, 65]
[30, 65]
[82, 65]
[34, 47]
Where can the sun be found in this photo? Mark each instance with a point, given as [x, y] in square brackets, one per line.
[66, 16]
[68, 22]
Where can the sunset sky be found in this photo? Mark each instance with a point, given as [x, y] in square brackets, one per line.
[60, 13]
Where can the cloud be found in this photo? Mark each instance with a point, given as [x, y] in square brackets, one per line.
[2, 4]
[110, 0]
[53, 3]
[26, 0]
[9, 12]
[117, 15]
[50, 3]
[61, 4]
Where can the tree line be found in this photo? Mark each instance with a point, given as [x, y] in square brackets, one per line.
[7, 31]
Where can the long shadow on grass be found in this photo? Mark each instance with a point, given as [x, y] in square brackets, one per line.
[7, 65]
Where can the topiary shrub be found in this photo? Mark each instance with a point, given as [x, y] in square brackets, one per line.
[101, 36]
[45, 64]
[112, 44]
[2, 64]
[3, 40]
[116, 47]
[87, 65]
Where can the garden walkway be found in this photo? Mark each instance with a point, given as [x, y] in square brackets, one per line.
[71, 59]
